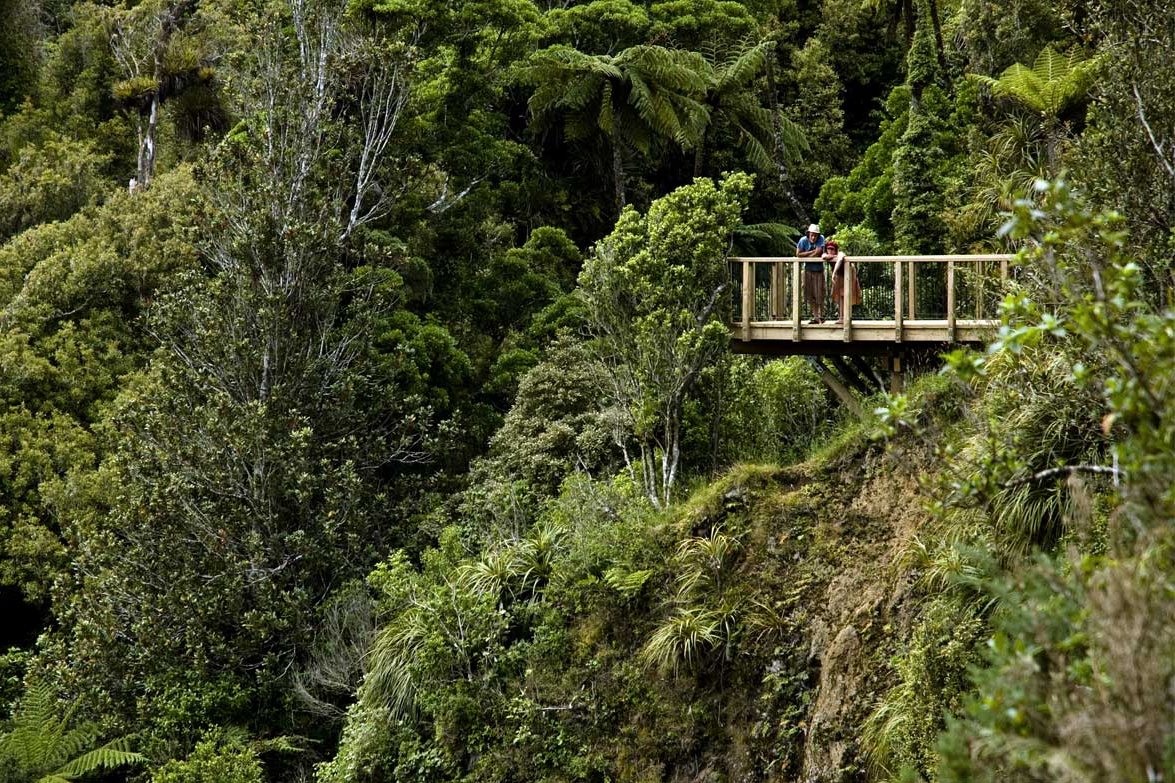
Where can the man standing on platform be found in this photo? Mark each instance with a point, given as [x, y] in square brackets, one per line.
[811, 246]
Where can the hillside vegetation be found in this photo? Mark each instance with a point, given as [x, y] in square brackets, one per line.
[368, 411]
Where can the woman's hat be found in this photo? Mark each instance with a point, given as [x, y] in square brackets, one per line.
[813, 229]
[831, 245]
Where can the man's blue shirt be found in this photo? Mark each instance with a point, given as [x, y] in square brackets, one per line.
[811, 264]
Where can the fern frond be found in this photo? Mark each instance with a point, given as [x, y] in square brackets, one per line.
[111, 755]
[627, 583]
[743, 66]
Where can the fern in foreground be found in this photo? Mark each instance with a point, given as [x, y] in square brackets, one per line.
[43, 748]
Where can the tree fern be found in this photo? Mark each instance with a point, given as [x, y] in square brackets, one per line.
[633, 100]
[731, 101]
[1053, 82]
[44, 747]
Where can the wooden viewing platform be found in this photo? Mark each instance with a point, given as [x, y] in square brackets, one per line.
[908, 302]
[906, 299]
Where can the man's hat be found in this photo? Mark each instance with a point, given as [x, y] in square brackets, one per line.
[813, 229]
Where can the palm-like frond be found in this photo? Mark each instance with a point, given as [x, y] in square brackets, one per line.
[642, 94]
[742, 67]
[43, 744]
[1054, 81]
[110, 756]
[763, 136]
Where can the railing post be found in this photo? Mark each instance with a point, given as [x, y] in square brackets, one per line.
[795, 299]
[777, 291]
[897, 301]
[979, 275]
[913, 300]
[950, 300]
[748, 296]
[846, 299]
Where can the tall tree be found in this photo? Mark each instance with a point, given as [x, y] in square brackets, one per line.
[154, 68]
[732, 102]
[288, 393]
[918, 163]
[634, 100]
[654, 295]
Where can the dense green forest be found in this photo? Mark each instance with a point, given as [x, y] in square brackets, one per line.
[368, 410]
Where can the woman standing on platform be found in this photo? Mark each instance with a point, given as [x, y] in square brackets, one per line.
[840, 262]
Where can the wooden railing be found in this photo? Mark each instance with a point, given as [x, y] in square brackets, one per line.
[904, 298]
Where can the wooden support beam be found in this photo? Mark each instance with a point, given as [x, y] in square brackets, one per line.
[778, 301]
[839, 389]
[979, 275]
[912, 303]
[895, 374]
[849, 374]
[846, 301]
[868, 373]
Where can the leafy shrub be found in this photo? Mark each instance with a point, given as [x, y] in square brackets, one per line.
[221, 756]
[48, 182]
[773, 410]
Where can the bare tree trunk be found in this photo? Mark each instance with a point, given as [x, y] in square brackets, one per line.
[936, 21]
[780, 159]
[618, 175]
[170, 20]
[146, 163]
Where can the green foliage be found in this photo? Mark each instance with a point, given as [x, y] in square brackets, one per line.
[49, 182]
[18, 46]
[701, 25]
[1076, 651]
[1032, 417]
[704, 615]
[901, 735]
[13, 666]
[1046, 90]
[766, 136]
[818, 112]
[920, 158]
[866, 195]
[995, 35]
[653, 291]
[600, 26]
[43, 747]
[768, 411]
[556, 426]
[858, 240]
[1082, 641]
[72, 292]
[1118, 164]
[221, 756]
